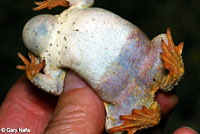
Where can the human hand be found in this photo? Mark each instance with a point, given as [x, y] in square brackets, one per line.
[77, 111]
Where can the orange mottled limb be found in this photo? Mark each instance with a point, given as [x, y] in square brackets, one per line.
[49, 4]
[31, 68]
[172, 59]
[144, 118]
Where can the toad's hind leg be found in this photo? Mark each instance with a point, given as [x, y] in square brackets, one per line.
[146, 117]
[172, 61]
[49, 4]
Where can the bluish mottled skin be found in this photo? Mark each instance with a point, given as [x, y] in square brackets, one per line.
[129, 80]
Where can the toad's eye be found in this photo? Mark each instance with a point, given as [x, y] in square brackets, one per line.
[37, 32]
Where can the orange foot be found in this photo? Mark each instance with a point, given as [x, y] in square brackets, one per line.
[139, 119]
[172, 61]
[31, 68]
[51, 4]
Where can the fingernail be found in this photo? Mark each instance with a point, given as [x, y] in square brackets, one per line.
[73, 81]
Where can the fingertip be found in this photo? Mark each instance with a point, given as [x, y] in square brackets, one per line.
[167, 101]
[185, 130]
[73, 81]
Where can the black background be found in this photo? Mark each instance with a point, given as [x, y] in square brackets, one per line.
[152, 16]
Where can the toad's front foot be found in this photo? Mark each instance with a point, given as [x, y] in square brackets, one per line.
[172, 61]
[33, 68]
[51, 4]
[139, 119]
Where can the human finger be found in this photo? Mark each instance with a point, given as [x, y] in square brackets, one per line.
[79, 109]
[26, 107]
[167, 101]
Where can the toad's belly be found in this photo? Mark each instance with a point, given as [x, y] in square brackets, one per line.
[114, 56]
[95, 38]
[106, 50]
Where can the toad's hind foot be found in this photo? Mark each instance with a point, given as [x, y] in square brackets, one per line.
[139, 119]
[32, 68]
[172, 61]
[49, 4]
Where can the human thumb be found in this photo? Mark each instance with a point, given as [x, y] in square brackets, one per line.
[79, 109]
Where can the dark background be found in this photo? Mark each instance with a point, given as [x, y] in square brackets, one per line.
[152, 16]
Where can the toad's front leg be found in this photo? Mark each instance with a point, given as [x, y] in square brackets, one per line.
[65, 3]
[51, 81]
